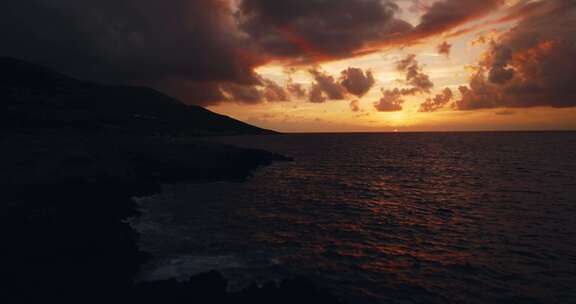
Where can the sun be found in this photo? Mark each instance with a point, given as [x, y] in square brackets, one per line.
[398, 119]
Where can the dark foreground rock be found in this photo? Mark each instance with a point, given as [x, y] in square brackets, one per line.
[66, 201]
[74, 155]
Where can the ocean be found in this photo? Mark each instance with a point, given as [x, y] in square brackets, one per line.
[384, 218]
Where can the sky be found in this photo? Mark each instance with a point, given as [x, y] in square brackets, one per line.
[322, 65]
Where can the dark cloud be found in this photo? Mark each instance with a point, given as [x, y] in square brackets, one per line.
[329, 88]
[438, 102]
[415, 77]
[391, 101]
[417, 81]
[352, 81]
[444, 48]
[242, 93]
[499, 70]
[447, 14]
[198, 49]
[315, 95]
[264, 90]
[320, 28]
[296, 89]
[531, 65]
[327, 29]
[274, 92]
[38, 31]
[522, 9]
[479, 94]
[356, 81]
[131, 41]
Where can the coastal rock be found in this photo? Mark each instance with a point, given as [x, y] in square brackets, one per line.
[75, 154]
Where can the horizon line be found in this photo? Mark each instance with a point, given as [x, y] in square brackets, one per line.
[432, 131]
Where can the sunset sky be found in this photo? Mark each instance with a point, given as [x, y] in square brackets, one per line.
[324, 65]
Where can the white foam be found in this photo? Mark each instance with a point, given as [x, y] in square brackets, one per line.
[183, 267]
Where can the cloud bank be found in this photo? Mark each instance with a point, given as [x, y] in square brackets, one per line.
[205, 51]
[531, 65]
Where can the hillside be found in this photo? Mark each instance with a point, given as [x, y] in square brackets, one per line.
[33, 96]
[74, 156]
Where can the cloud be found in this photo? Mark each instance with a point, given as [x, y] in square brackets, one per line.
[319, 29]
[353, 81]
[531, 65]
[355, 105]
[296, 89]
[327, 86]
[242, 93]
[128, 41]
[419, 6]
[356, 81]
[192, 48]
[486, 37]
[264, 90]
[315, 94]
[444, 48]
[438, 18]
[438, 102]
[447, 14]
[415, 77]
[479, 94]
[274, 92]
[520, 10]
[526, 8]
[499, 71]
[391, 101]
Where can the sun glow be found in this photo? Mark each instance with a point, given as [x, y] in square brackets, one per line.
[452, 70]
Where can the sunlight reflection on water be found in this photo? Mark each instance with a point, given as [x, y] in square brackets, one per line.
[388, 218]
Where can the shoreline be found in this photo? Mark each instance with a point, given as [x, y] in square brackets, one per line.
[69, 235]
[75, 154]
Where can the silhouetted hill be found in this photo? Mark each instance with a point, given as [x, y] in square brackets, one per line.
[74, 156]
[33, 96]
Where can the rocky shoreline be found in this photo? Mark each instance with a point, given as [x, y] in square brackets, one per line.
[74, 156]
[67, 236]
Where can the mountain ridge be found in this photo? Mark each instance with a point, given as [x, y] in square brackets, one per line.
[36, 96]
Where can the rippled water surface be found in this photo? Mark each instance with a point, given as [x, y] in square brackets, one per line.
[386, 218]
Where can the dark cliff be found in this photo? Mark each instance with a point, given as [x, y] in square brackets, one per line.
[74, 154]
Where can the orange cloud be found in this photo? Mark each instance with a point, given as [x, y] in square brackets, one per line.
[531, 65]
